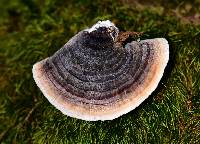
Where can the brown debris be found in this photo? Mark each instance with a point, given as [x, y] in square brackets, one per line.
[123, 36]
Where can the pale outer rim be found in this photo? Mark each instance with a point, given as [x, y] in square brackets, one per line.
[122, 107]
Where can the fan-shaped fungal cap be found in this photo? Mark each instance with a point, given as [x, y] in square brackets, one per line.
[90, 78]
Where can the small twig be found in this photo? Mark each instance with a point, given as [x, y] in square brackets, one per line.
[28, 116]
[19, 125]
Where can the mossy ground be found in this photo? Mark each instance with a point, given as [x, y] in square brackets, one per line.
[31, 30]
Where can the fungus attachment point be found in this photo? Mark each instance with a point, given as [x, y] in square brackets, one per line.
[91, 78]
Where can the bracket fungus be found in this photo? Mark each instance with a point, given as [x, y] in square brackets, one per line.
[92, 77]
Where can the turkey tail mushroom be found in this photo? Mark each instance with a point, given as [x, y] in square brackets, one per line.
[90, 78]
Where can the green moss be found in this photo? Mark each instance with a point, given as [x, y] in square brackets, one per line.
[31, 30]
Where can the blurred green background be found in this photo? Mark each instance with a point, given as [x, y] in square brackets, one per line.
[31, 30]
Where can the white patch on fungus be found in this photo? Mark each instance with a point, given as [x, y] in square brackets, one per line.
[108, 24]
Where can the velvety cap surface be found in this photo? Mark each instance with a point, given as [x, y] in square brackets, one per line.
[91, 79]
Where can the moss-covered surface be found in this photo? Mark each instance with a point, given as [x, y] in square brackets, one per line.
[31, 30]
